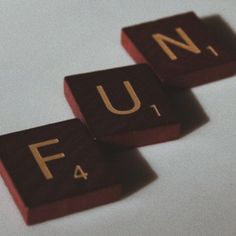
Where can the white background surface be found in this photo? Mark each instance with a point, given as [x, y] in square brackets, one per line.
[42, 41]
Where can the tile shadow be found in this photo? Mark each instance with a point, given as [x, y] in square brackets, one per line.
[189, 111]
[132, 169]
[222, 31]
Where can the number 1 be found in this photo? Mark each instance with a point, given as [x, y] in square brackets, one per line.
[156, 110]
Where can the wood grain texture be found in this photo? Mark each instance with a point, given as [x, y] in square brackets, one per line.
[39, 199]
[140, 127]
[206, 59]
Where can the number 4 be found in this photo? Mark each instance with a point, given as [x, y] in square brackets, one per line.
[79, 173]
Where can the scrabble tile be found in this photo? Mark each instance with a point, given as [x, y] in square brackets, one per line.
[180, 49]
[55, 170]
[123, 106]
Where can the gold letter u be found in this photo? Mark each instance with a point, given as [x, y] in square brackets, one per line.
[133, 95]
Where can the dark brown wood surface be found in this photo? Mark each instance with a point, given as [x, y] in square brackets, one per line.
[153, 122]
[208, 60]
[39, 198]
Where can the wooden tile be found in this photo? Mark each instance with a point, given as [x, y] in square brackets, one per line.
[123, 106]
[55, 170]
[180, 49]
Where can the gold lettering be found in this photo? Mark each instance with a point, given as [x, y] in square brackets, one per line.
[214, 52]
[156, 109]
[41, 161]
[79, 173]
[189, 46]
[133, 95]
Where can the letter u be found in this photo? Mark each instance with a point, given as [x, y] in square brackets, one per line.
[132, 94]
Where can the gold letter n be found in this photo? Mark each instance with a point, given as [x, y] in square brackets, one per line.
[189, 46]
[133, 95]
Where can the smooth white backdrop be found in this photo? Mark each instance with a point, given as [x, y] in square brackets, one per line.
[42, 41]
